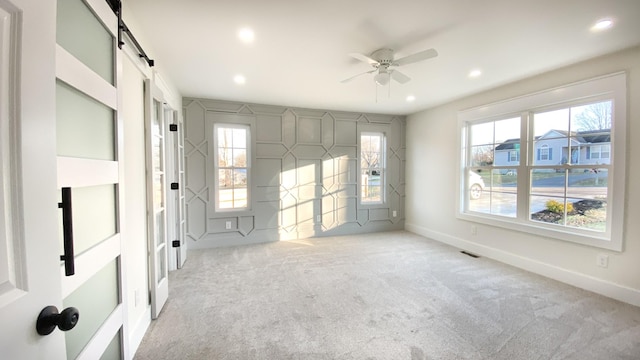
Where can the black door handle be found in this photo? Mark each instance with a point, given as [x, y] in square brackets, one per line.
[67, 231]
[49, 319]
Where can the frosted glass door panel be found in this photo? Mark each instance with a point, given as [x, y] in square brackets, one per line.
[93, 45]
[95, 299]
[94, 216]
[113, 350]
[85, 127]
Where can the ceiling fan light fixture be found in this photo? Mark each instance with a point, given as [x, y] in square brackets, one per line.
[382, 78]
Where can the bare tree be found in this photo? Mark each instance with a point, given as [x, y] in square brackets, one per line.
[370, 154]
[594, 117]
[482, 155]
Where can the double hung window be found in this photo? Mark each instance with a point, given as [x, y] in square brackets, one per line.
[232, 166]
[372, 167]
[551, 165]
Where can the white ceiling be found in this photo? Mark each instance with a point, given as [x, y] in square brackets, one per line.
[300, 51]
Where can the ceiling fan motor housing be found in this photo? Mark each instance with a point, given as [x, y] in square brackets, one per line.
[383, 56]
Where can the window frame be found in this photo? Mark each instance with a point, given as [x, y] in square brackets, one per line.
[212, 121]
[609, 87]
[382, 168]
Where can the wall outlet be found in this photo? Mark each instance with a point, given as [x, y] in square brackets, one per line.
[395, 213]
[474, 230]
[136, 297]
[227, 225]
[318, 218]
[602, 260]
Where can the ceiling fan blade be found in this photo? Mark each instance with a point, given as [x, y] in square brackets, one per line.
[363, 58]
[355, 76]
[422, 55]
[399, 77]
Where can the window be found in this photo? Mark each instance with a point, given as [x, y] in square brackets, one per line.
[563, 185]
[372, 165]
[232, 166]
[599, 152]
[514, 156]
[544, 153]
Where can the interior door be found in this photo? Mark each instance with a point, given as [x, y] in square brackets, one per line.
[157, 185]
[89, 147]
[176, 195]
[29, 257]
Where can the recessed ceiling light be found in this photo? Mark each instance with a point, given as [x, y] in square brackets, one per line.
[475, 73]
[602, 25]
[411, 98]
[239, 79]
[246, 35]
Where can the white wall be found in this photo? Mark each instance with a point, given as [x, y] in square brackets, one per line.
[431, 171]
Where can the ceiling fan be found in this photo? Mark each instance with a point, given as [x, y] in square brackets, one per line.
[384, 64]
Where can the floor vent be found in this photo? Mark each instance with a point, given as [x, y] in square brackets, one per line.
[470, 254]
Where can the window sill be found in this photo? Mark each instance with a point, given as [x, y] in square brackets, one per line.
[578, 236]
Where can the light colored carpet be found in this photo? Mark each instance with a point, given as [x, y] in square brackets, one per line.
[390, 295]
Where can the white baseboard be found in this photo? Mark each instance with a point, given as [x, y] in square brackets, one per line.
[138, 331]
[590, 283]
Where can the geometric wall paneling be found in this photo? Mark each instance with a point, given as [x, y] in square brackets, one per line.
[269, 128]
[309, 130]
[289, 128]
[245, 110]
[346, 212]
[346, 132]
[196, 163]
[270, 213]
[288, 173]
[245, 225]
[270, 150]
[194, 130]
[362, 216]
[346, 116]
[219, 225]
[381, 119]
[378, 214]
[304, 174]
[344, 151]
[196, 213]
[308, 151]
[328, 127]
[269, 170]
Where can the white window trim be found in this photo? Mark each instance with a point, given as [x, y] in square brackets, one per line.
[247, 128]
[211, 120]
[614, 87]
[383, 167]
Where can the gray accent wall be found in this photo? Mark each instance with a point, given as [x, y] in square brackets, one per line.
[303, 176]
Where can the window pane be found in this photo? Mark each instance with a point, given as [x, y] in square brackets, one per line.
[240, 198]
[239, 178]
[482, 155]
[239, 157]
[547, 209]
[591, 117]
[551, 124]
[482, 134]
[225, 157]
[225, 178]
[547, 182]
[239, 138]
